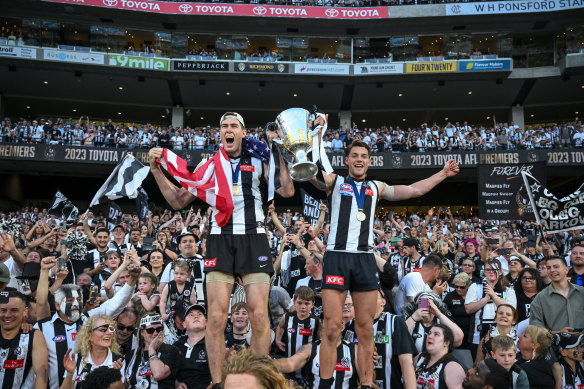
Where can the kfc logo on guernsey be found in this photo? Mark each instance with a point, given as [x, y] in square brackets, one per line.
[211, 262]
[247, 168]
[305, 331]
[335, 280]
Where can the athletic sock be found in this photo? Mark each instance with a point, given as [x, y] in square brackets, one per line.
[326, 383]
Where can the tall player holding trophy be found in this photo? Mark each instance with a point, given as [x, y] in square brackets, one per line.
[237, 243]
[349, 263]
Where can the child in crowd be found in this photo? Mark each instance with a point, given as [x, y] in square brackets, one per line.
[147, 294]
[178, 291]
[504, 352]
[570, 359]
[299, 327]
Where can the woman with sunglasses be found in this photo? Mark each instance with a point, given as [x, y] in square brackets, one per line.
[454, 302]
[482, 300]
[528, 286]
[153, 364]
[95, 346]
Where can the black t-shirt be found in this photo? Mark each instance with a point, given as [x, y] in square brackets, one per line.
[575, 278]
[193, 364]
[168, 355]
[297, 271]
[455, 304]
[164, 139]
[523, 305]
[230, 341]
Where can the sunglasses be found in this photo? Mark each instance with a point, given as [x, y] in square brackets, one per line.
[459, 286]
[126, 328]
[150, 331]
[105, 328]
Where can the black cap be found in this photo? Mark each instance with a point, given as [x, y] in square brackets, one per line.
[186, 233]
[565, 340]
[410, 242]
[198, 307]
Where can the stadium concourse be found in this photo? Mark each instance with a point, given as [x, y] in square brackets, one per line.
[452, 208]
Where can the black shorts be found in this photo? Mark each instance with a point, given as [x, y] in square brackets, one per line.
[238, 254]
[350, 271]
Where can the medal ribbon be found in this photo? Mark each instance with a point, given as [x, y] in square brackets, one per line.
[235, 175]
[359, 196]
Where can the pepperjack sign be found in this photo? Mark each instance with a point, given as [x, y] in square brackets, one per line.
[553, 214]
[502, 194]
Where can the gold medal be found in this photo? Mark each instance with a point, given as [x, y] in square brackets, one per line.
[361, 216]
[236, 189]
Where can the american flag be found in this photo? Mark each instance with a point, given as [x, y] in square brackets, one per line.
[211, 182]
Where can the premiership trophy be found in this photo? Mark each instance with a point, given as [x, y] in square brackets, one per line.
[294, 126]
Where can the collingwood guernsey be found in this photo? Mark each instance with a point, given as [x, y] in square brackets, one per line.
[348, 233]
[248, 215]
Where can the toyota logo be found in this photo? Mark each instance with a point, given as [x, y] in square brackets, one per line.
[185, 8]
[331, 13]
[110, 3]
[260, 10]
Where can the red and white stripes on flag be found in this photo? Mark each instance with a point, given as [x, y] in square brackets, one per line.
[211, 182]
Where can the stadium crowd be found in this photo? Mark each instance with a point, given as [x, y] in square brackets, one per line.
[449, 136]
[498, 297]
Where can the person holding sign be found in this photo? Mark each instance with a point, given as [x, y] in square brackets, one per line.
[349, 263]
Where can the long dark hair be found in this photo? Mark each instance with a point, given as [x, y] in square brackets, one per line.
[502, 281]
[535, 274]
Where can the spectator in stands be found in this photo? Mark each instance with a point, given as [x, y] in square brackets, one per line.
[556, 307]
[534, 345]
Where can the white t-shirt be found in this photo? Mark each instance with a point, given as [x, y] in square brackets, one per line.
[410, 286]
[475, 293]
[15, 271]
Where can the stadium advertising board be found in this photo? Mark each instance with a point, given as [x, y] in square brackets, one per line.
[502, 192]
[236, 9]
[429, 160]
[512, 6]
[314, 68]
[431, 67]
[73, 56]
[205, 66]
[18, 52]
[362, 69]
[138, 62]
[261, 67]
[485, 65]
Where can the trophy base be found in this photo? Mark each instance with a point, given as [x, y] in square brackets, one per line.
[303, 171]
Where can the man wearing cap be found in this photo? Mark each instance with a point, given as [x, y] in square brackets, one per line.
[188, 247]
[4, 278]
[413, 260]
[37, 132]
[237, 243]
[193, 367]
[570, 359]
[349, 263]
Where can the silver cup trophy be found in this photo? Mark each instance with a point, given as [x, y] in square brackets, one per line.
[294, 127]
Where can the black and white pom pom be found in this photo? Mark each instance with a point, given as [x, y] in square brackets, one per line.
[77, 246]
[11, 226]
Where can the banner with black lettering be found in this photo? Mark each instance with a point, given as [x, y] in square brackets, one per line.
[311, 207]
[114, 215]
[553, 214]
[142, 204]
[502, 193]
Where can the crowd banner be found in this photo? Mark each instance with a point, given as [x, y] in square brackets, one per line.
[311, 207]
[511, 7]
[257, 10]
[553, 214]
[502, 193]
[63, 208]
[381, 161]
[114, 215]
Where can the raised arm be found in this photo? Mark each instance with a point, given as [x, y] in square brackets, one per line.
[275, 218]
[9, 246]
[87, 230]
[420, 188]
[321, 218]
[178, 198]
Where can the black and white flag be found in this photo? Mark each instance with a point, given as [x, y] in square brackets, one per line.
[114, 215]
[124, 181]
[142, 204]
[553, 214]
[63, 208]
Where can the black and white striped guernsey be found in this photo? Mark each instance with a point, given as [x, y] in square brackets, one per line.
[345, 375]
[298, 332]
[16, 361]
[248, 215]
[346, 232]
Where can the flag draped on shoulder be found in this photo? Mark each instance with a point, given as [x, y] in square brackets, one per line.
[210, 182]
[63, 207]
[124, 181]
[553, 214]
